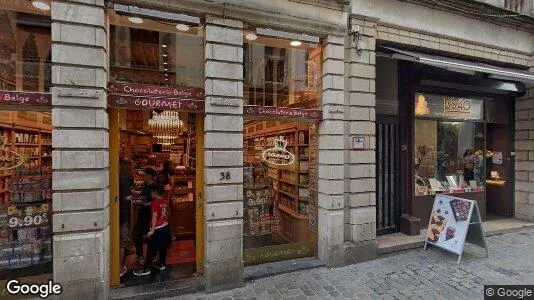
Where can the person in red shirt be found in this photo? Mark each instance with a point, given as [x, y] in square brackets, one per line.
[159, 234]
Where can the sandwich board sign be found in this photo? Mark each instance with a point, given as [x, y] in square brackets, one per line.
[453, 222]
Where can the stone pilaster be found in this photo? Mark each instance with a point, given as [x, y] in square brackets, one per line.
[360, 211]
[331, 154]
[524, 159]
[223, 141]
[80, 149]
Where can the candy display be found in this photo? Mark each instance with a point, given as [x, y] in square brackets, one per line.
[259, 215]
[25, 199]
[460, 209]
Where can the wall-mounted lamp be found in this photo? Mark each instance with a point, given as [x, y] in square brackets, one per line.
[357, 38]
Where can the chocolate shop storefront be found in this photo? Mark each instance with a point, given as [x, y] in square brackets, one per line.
[459, 137]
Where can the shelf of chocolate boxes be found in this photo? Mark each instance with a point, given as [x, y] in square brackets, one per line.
[260, 215]
[25, 231]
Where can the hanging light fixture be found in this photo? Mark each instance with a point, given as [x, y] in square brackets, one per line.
[165, 127]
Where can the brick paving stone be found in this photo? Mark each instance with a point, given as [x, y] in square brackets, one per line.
[413, 274]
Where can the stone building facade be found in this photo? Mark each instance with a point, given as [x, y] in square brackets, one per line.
[346, 178]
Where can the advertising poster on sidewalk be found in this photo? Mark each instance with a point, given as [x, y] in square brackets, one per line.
[449, 222]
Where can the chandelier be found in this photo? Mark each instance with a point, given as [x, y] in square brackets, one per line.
[165, 127]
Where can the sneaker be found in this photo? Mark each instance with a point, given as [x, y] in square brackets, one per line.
[160, 267]
[123, 270]
[142, 272]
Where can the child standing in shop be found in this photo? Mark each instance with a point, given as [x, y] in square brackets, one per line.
[159, 234]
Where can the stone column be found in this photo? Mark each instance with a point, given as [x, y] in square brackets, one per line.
[330, 168]
[80, 149]
[524, 159]
[360, 211]
[223, 138]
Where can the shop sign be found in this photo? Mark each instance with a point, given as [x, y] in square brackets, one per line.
[138, 102]
[435, 106]
[278, 155]
[277, 253]
[11, 159]
[25, 98]
[283, 112]
[453, 222]
[156, 91]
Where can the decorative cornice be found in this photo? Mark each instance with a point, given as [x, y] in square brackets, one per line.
[481, 11]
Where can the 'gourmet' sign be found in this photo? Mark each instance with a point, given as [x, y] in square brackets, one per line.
[278, 155]
[156, 91]
[136, 102]
[24, 98]
[283, 112]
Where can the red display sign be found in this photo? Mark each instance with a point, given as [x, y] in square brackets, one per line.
[25, 98]
[156, 91]
[283, 112]
[138, 102]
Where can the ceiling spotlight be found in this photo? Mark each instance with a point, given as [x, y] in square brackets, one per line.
[165, 69]
[41, 5]
[164, 45]
[164, 54]
[251, 36]
[135, 20]
[295, 43]
[165, 63]
[182, 27]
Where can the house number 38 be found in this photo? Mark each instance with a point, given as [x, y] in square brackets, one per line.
[225, 176]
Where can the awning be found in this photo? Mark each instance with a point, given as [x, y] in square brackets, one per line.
[463, 66]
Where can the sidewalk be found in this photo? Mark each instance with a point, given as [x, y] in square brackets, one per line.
[415, 274]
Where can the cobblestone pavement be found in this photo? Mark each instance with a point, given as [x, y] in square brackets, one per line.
[415, 274]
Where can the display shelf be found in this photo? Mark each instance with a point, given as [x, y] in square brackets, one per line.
[291, 212]
[287, 194]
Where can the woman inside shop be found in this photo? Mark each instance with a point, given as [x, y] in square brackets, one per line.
[469, 165]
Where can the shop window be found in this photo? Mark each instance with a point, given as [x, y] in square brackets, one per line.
[280, 191]
[449, 145]
[145, 51]
[281, 73]
[25, 140]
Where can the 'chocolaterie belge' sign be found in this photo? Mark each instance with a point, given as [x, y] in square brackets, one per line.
[25, 98]
[282, 112]
[156, 91]
[139, 96]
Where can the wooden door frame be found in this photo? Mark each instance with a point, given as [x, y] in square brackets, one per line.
[199, 201]
[114, 227]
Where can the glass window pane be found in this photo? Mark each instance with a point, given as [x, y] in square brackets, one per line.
[156, 53]
[449, 157]
[278, 74]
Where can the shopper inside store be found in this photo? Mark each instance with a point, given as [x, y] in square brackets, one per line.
[157, 171]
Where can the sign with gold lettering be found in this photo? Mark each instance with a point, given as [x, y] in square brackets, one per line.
[278, 155]
[139, 102]
[25, 98]
[444, 107]
[282, 113]
[277, 253]
[156, 91]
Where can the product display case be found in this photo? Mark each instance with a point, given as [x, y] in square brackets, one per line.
[280, 194]
[25, 190]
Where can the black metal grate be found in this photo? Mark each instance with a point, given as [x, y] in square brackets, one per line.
[387, 175]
